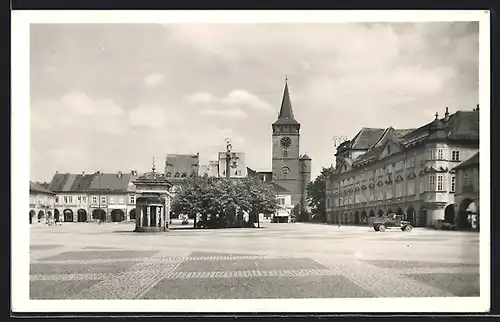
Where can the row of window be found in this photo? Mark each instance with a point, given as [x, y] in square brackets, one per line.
[435, 183]
[432, 154]
[441, 154]
[40, 200]
[104, 199]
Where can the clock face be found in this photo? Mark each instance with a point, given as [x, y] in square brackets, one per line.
[285, 170]
[286, 142]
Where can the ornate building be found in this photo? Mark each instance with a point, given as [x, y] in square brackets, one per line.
[409, 172]
[290, 170]
[41, 203]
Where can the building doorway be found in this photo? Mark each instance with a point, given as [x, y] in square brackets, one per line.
[421, 218]
[82, 215]
[410, 216]
[449, 214]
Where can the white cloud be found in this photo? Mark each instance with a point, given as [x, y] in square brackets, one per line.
[244, 98]
[230, 113]
[154, 79]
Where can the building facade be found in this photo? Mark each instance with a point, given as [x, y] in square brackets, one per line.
[91, 197]
[408, 172]
[210, 170]
[42, 202]
[467, 193]
[237, 165]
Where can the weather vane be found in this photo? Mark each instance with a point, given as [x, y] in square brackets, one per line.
[154, 168]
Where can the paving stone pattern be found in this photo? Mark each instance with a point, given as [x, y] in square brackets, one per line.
[182, 266]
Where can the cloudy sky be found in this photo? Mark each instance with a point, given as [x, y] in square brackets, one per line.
[113, 96]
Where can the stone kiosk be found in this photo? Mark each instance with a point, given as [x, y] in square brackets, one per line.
[152, 202]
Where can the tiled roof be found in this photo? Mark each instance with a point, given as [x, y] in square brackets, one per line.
[472, 161]
[67, 182]
[111, 182]
[36, 187]
[57, 182]
[462, 125]
[366, 138]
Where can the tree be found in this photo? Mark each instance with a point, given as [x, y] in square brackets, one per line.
[222, 202]
[316, 194]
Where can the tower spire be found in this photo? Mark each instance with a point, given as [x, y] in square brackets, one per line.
[286, 112]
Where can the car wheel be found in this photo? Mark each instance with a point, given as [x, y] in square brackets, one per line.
[381, 228]
[408, 228]
[375, 228]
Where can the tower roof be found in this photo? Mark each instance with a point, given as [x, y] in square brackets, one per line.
[286, 116]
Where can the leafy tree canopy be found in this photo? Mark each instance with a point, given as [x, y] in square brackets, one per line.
[316, 194]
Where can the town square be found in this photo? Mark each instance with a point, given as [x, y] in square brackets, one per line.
[279, 161]
[286, 260]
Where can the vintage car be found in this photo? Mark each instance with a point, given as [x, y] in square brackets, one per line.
[391, 221]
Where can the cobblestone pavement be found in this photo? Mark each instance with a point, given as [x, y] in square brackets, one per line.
[89, 261]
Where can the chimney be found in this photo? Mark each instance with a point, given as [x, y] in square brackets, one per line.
[83, 173]
[477, 108]
[119, 174]
[446, 115]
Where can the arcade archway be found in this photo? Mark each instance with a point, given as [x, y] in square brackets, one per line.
[99, 214]
[389, 211]
[117, 215]
[68, 215]
[132, 214]
[32, 214]
[380, 213]
[41, 214]
[56, 215]
[449, 214]
[82, 215]
[466, 211]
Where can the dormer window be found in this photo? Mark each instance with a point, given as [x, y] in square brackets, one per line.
[345, 167]
[177, 174]
[388, 149]
[169, 174]
[183, 175]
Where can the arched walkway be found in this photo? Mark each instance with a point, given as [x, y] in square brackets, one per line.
[32, 214]
[421, 217]
[49, 214]
[117, 215]
[346, 218]
[357, 219]
[466, 210]
[82, 215]
[68, 215]
[410, 215]
[99, 214]
[56, 215]
[351, 218]
[389, 211]
[41, 215]
[132, 214]
[449, 214]
[380, 213]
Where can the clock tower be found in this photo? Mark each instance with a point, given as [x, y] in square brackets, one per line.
[286, 167]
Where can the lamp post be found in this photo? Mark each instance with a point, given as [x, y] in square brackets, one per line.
[99, 196]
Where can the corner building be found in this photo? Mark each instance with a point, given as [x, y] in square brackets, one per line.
[408, 172]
